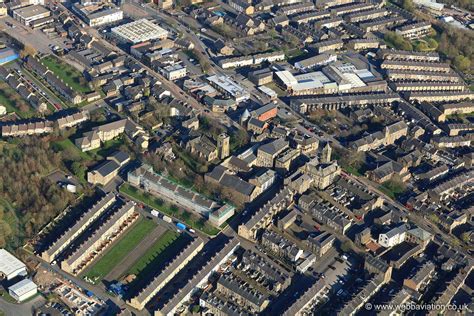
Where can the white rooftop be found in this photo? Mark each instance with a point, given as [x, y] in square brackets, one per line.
[10, 266]
[140, 31]
[23, 287]
[227, 84]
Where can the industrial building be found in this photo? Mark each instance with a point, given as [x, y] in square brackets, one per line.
[28, 15]
[23, 290]
[10, 266]
[97, 15]
[139, 31]
[229, 88]
[7, 55]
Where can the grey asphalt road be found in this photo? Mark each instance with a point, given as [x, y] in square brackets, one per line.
[35, 38]
[25, 309]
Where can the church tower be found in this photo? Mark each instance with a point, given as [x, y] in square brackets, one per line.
[326, 154]
[223, 145]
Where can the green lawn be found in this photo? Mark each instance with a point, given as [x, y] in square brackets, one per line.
[107, 147]
[120, 250]
[73, 151]
[194, 221]
[154, 251]
[66, 73]
[392, 188]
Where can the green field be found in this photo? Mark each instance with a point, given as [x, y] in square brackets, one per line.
[154, 251]
[120, 250]
[191, 220]
[67, 74]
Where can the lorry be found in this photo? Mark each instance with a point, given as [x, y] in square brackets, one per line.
[181, 226]
[167, 219]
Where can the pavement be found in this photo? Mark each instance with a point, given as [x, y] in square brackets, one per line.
[35, 38]
[24, 309]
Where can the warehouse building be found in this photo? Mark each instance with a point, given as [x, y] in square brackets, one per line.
[7, 55]
[97, 15]
[10, 266]
[23, 290]
[139, 31]
[27, 15]
[229, 88]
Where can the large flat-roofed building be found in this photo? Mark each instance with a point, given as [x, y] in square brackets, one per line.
[174, 72]
[7, 55]
[156, 184]
[79, 226]
[29, 14]
[23, 290]
[228, 87]
[139, 31]
[97, 14]
[10, 266]
[104, 17]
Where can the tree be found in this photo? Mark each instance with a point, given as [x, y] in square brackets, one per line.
[408, 5]
[397, 41]
[465, 237]
[78, 169]
[346, 246]
[462, 63]
[28, 51]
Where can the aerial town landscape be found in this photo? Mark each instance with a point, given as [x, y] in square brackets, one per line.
[236, 157]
